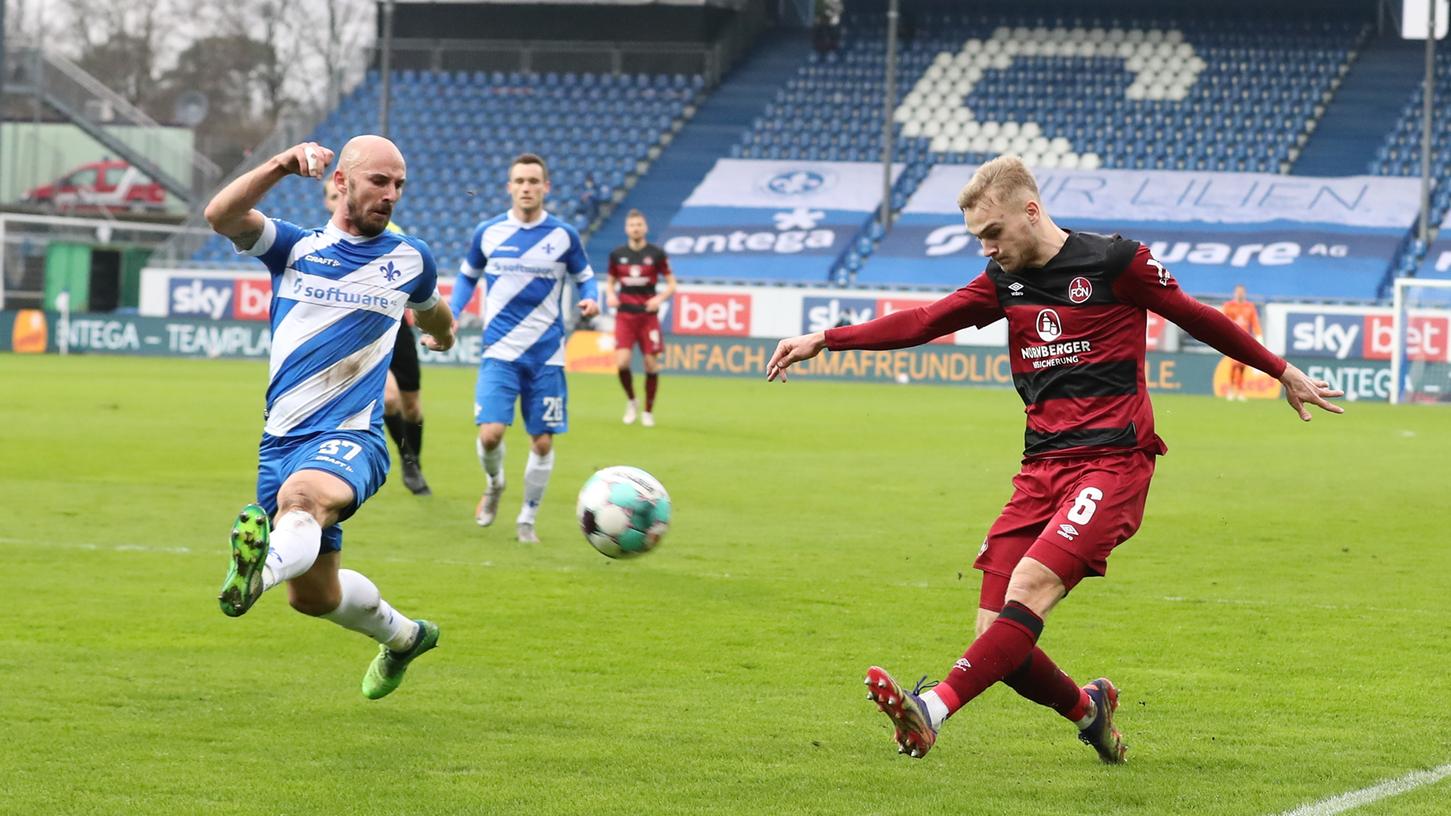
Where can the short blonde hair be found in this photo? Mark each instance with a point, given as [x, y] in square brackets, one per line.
[1001, 179]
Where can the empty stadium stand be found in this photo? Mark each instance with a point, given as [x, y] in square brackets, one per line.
[459, 130]
[1400, 155]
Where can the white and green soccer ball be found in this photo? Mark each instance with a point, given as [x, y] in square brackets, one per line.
[623, 511]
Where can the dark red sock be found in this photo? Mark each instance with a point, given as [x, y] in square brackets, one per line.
[652, 382]
[1039, 679]
[627, 379]
[993, 656]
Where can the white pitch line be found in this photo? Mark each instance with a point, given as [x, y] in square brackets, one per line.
[1364, 796]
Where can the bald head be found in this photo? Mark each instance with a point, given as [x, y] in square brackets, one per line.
[370, 177]
[361, 151]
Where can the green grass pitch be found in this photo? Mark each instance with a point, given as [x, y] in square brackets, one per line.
[1278, 627]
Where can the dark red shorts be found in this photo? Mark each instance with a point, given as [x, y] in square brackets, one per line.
[1067, 514]
[642, 328]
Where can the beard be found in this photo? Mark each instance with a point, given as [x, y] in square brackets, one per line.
[368, 223]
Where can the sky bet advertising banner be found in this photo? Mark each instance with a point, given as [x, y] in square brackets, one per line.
[1284, 236]
[772, 221]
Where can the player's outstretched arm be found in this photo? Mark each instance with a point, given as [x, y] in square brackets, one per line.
[794, 350]
[230, 212]
[437, 324]
[1301, 391]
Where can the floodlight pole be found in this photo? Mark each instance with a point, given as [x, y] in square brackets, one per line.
[888, 112]
[1425, 232]
[385, 69]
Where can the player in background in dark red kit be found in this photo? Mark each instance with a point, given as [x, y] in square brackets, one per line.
[1076, 306]
[636, 267]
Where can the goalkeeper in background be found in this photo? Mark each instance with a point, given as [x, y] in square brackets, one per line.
[1244, 315]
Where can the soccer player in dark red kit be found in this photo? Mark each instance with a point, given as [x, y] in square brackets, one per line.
[636, 267]
[1076, 307]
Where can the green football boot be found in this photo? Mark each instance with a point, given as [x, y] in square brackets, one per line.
[243, 586]
[386, 671]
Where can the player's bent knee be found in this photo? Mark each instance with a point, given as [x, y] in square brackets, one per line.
[543, 444]
[491, 434]
[1036, 586]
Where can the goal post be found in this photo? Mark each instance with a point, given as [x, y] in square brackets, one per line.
[1420, 351]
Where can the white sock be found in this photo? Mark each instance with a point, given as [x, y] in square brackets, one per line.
[294, 545]
[362, 609]
[936, 709]
[1087, 719]
[536, 479]
[492, 460]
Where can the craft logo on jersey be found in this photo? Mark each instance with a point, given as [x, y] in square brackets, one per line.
[1080, 290]
[1050, 328]
[797, 182]
[391, 272]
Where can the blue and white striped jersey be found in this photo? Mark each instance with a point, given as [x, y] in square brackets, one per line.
[524, 267]
[337, 300]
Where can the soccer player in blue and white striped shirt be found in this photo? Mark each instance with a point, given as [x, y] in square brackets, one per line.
[524, 256]
[338, 294]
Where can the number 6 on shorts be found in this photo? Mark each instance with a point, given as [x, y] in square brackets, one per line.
[1084, 505]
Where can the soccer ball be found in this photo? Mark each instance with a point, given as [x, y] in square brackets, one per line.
[623, 511]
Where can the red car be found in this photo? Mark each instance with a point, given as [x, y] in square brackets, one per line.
[109, 184]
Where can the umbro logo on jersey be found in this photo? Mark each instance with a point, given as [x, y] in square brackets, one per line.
[1068, 531]
[1016, 288]
[391, 272]
[1080, 290]
[962, 664]
[318, 259]
[623, 261]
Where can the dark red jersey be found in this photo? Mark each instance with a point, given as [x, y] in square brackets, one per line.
[637, 271]
[1076, 337]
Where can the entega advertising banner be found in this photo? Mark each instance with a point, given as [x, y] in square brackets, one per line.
[772, 221]
[1281, 236]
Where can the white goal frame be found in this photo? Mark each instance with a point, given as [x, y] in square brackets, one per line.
[1398, 326]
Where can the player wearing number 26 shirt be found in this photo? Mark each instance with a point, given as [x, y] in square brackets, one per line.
[1076, 306]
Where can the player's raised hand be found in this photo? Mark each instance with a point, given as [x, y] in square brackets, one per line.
[1301, 391]
[309, 159]
[588, 308]
[794, 350]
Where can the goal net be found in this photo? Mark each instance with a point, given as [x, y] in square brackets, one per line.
[1421, 352]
